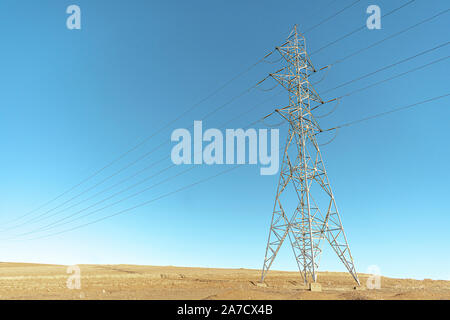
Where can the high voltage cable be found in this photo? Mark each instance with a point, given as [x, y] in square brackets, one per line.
[382, 81]
[339, 98]
[142, 142]
[130, 164]
[369, 86]
[322, 8]
[240, 74]
[217, 90]
[387, 67]
[233, 168]
[162, 128]
[130, 187]
[390, 37]
[91, 197]
[348, 94]
[332, 16]
[383, 40]
[394, 77]
[360, 28]
[142, 204]
[377, 115]
[57, 223]
[113, 195]
[159, 161]
[331, 89]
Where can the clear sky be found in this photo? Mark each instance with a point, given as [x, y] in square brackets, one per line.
[73, 100]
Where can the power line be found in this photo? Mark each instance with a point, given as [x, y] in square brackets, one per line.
[388, 66]
[381, 41]
[159, 161]
[346, 95]
[130, 164]
[322, 8]
[145, 140]
[359, 28]
[339, 98]
[348, 124]
[394, 77]
[351, 123]
[112, 196]
[127, 188]
[389, 37]
[331, 17]
[382, 81]
[146, 202]
[369, 86]
[142, 204]
[162, 128]
[138, 205]
[60, 222]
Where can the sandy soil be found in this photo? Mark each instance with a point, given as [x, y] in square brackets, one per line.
[37, 281]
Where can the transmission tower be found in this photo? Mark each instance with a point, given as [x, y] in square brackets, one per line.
[303, 175]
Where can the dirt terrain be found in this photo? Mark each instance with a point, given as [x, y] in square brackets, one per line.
[37, 281]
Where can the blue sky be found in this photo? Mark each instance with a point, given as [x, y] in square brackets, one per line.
[73, 100]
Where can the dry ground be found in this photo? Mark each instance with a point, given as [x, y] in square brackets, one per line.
[37, 281]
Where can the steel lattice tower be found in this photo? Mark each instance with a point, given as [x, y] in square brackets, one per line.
[303, 175]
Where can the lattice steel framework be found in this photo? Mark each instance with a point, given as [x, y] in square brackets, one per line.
[315, 215]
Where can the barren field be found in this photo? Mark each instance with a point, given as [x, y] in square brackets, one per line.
[37, 281]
